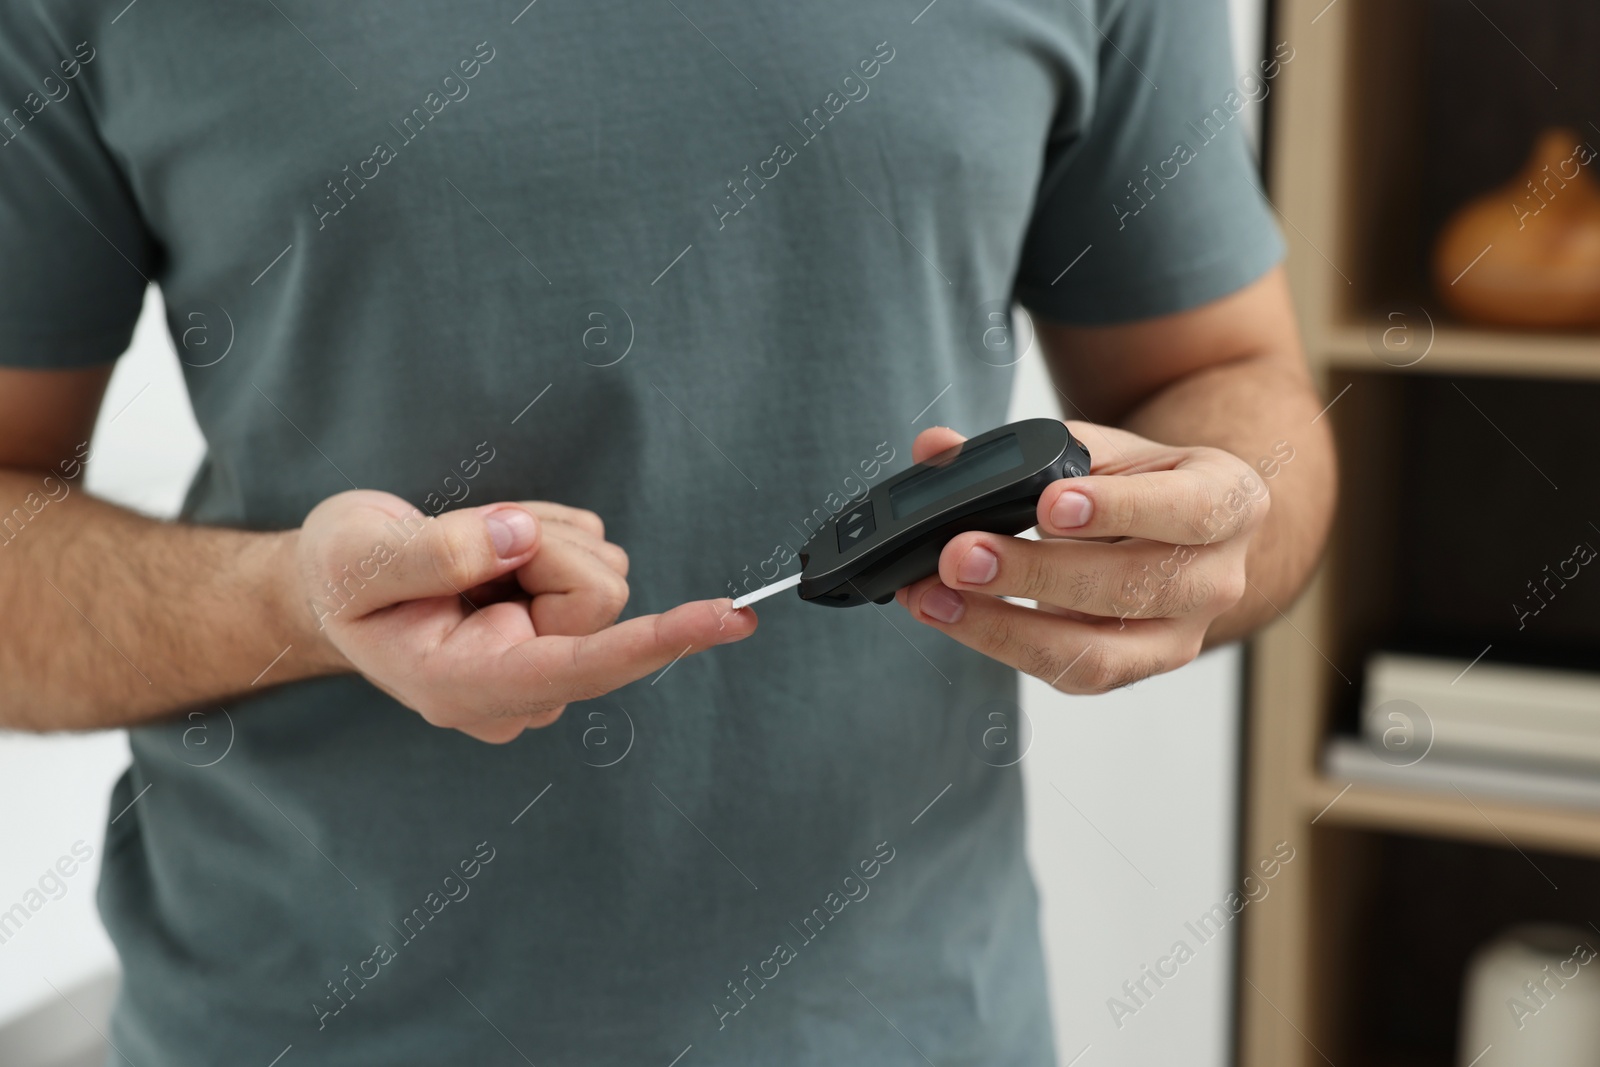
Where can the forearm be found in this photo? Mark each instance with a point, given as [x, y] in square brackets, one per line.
[1264, 411]
[112, 619]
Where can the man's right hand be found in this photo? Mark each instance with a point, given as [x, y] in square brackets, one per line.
[487, 620]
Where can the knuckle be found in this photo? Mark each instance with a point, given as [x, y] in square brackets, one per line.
[1188, 594]
[1226, 513]
[314, 553]
[1241, 513]
[1167, 597]
[588, 520]
[1121, 508]
[495, 733]
[1168, 508]
[1045, 664]
[1096, 672]
[452, 559]
[579, 689]
[581, 682]
[331, 511]
[443, 715]
[1037, 580]
[1162, 507]
[1102, 670]
[1201, 593]
[1230, 589]
[1081, 590]
[1127, 674]
[1217, 522]
[1258, 492]
[320, 564]
[1153, 592]
[1134, 592]
[612, 597]
[995, 630]
[539, 719]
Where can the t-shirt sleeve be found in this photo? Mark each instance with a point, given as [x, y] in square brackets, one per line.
[74, 252]
[1158, 194]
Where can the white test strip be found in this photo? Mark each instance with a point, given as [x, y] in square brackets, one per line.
[767, 590]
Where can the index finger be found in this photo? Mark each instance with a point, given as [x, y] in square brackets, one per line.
[559, 669]
[1209, 496]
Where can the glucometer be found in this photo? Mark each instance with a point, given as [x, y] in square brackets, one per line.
[892, 537]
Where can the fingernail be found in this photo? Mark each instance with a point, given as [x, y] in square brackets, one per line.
[978, 566]
[513, 532]
[1071, 510]
[943, 603]
[727, 634]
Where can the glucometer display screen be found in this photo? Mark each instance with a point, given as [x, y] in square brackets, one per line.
[966, 470]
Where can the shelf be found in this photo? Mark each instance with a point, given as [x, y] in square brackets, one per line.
[1490, 822]
[1464, 350]
[1391, 117]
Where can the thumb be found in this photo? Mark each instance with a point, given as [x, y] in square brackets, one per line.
[932, 441]
[451, 553]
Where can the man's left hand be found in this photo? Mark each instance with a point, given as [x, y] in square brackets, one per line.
[1135, 562]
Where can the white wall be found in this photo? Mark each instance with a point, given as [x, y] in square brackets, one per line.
[1131, 796]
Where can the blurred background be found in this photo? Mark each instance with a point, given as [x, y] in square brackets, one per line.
[1425, 727]
[1378, 831]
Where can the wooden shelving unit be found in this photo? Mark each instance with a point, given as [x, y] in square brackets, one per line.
[1337, 965]
[1479, 819]
[1462, 351]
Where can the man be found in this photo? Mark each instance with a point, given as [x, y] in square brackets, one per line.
[501, 324]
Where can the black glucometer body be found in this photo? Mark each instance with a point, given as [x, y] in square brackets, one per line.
[893, 536]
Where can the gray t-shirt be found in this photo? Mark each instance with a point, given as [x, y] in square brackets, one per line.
[697, 266]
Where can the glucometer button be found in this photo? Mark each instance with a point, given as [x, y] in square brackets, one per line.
[855, 526]
[851, 536]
